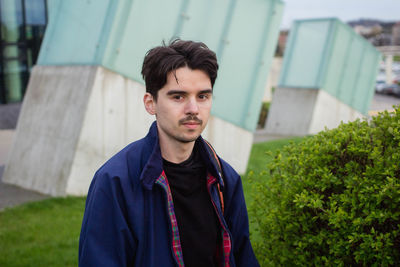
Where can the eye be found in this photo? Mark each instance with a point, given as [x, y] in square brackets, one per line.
[177, 97]
[204, 96]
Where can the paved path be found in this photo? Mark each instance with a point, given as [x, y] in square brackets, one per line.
[382, 102]
[6, 138]
[9, 115]
[11, 195]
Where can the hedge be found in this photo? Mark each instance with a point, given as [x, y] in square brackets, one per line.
[333, 199]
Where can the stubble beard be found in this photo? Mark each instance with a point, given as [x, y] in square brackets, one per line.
[185, 141]
[181, 122]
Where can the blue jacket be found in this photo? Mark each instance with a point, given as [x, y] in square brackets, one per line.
[126, 221]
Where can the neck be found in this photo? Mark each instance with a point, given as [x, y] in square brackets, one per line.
[175, 151]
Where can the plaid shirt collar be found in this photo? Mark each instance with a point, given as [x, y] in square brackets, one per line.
[153, 167]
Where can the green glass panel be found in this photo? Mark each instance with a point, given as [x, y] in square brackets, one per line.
[338, 63]
[139, 27]
[75, 31]
[350, 76]
[364, 81]
[243, 33]
[243, 59]
[306, 51]
[203, 21]
[52, 7]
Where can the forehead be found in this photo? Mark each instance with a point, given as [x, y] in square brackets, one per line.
[183, 77]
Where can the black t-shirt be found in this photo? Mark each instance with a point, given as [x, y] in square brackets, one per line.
[198, 224]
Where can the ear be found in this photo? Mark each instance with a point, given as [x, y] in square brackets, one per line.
[149, 103]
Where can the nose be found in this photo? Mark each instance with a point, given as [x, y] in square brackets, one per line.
[191, 106]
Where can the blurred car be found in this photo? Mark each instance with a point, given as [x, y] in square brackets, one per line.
[379, 85]
[391, 89]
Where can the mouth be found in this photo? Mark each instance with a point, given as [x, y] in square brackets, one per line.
[191, 124]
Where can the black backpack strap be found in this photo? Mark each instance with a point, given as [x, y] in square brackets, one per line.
[215, 159]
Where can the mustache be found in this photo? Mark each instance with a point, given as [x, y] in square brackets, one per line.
[190, 118]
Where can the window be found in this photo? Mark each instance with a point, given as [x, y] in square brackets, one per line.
[22, 28]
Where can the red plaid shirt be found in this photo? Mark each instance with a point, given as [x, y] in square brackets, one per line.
[176, 244]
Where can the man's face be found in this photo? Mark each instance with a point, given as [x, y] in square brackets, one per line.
[183, 105]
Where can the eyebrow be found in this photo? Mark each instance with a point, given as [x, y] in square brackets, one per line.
[180, 92]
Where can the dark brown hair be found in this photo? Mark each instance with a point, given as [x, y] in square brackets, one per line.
[163, 59]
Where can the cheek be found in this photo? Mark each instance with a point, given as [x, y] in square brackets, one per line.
[168, 112]
[206, 108]
[161, 108]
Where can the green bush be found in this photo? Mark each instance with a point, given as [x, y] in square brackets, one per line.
[333, 199]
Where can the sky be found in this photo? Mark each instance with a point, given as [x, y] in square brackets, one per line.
[345, 10]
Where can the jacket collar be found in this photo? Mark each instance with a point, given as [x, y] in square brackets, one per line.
[154, 164]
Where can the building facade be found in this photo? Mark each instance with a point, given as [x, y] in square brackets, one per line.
[396, 34]
[23, 23]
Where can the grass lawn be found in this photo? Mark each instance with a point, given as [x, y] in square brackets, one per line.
[259, 159]
[46, 233]
[258, 162]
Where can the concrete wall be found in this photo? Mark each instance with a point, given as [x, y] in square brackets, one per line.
[231, 142]
[76, 117]
[48, 128]
[115, 117]
[330, 112]
[297, 112]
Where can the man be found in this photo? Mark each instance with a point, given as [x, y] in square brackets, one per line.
[167, 199]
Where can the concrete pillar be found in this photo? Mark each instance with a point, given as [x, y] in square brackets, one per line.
[388, 68]
[72, 120]
[299, 111]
